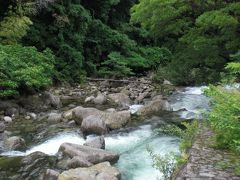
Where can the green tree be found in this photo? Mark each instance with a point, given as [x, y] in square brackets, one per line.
[201, 34]
[24, 68]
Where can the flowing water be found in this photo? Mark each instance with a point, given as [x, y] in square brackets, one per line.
[135, 162]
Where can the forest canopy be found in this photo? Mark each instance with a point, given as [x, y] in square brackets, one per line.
[186, 42]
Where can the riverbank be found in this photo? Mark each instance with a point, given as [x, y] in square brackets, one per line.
[207, 162]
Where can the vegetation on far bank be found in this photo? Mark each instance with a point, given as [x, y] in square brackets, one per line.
[186, 42]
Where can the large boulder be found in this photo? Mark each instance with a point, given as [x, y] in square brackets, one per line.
[92, 155]
[52, 100]
[121, 99]
[32, 166]
[15, 143]
[93, 124]
[113, 120]
[156, 105]
[101, 171]
[98, 142]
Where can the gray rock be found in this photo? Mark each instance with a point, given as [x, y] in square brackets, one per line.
[7, 119]
[12, 112]
[120, 98]
[68, 114]
[166, 82]
[141, 96]
[32, 115]
[98, 142]
[50, 175]
[27, 117]
[92, 155]
[89, 99]
[110, 110]
[2, 127]
[154, 106]
[54, 117]
[52, 100]
[15, 143]
[100, 99]
[72, 123]
[113, 120]
[78, 161]
[101, 171]
[93, 124]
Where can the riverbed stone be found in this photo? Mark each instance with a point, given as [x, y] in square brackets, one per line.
[121, 99]
[101, 171]
[68, 114]
[93, 124]
[52, 100]
[78, 161]
[32, 115]
[155, 106]
[7, 119]
[15, 143]
[97, 142]
[89, 99]
[54, 117]
[12, 112]
[92, 155]
[2, 127]
[100, 99]
[113, 120]
[50, 174]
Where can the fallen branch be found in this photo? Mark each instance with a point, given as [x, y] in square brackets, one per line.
[117, 80]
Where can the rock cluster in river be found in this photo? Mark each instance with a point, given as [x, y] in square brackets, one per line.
[96, 108]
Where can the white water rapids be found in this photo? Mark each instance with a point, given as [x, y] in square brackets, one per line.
[135, 162]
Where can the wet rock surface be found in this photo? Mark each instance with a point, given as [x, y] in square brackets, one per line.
[92, 155]
[101, 171]
[25, 168]
[97, 142]
[203, 162]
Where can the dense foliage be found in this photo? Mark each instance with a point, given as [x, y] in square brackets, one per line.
[184, 41]
[201, 34]
[224, 117]
[24, 68]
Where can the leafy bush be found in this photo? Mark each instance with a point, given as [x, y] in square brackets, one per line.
[224, 117]
[164, 163]
[169, 163]
[138, 61]
[233, 69]
[115, 66]
[24, 67]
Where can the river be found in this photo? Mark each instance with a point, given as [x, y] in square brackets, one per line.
[131, 142]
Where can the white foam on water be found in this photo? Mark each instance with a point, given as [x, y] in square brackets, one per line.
[194, 90]
[135, 162]
[124, 141]
[52, 145]
[13, 153]
[232, 86]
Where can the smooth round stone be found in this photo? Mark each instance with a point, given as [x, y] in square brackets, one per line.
[7, 119]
